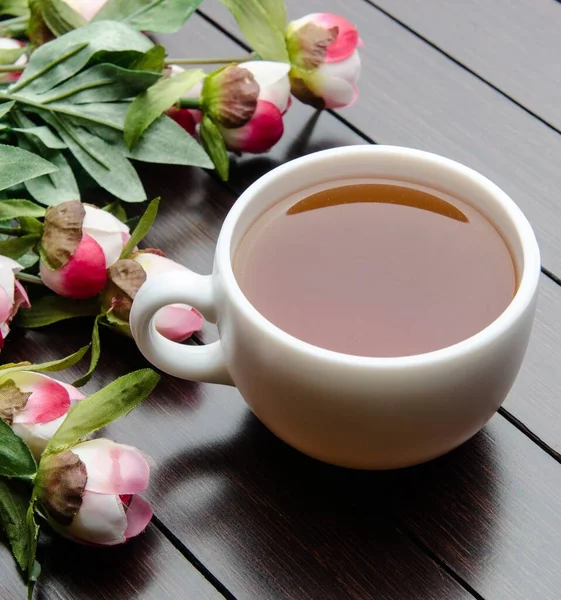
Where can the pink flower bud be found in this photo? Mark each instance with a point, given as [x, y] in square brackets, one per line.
[86, 8]
[10, 44]
[12, 295]
[89, 493]
[265, 127]
[79, 243]
[325, 60]
[35, 406]
[176, 322]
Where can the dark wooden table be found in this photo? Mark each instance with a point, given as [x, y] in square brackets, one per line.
[238, 514]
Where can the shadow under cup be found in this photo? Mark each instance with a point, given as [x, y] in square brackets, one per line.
[367, 412]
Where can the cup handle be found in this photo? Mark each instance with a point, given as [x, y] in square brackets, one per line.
[196, 363]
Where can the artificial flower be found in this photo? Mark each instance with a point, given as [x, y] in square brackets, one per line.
[265, 127]
[35, 406]
[78, 245]
[325, 60]
[89, 493]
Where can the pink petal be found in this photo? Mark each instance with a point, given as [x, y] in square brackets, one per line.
[73, 393]
[5, 305]
[346, 41]
[85, 274]
[139, 514]
[177, 322]
[262, 132]
[113, 468]
[20, 297]
[101, 520]
[49, 400]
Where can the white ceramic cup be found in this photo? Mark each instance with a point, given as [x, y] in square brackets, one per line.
[369, 413]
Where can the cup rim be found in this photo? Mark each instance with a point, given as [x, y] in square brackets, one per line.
[528, 281]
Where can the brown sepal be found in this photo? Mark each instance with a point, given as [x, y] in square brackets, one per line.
[62, 232]
[61, 481]
[12, 400]
[124, 279]
[230, 97]
[314, 41]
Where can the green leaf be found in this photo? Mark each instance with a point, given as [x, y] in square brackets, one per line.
[142, 228]
[105, 163]
[16, 247]
[15, 8]
[214, 145]
[52, 309]
[96, 351]
[5, 108]
[44, 134]
[31, 225]
[56, 61]
[148, 106]
[60, 17]
[101, 83]
[163, 142]
[112, 402]
[262, 22]
[17, 165]
[57, 187]
[14, 503]
[51, 366]
[108, 114]
[28, 260]
[13, 209]
[163, 16]
[152, 60]
[166, 142]
[16, 459]
[9, 56]
[32, 530]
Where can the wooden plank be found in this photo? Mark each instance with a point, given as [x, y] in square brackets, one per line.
[147, 568]
[513, 44]
[412, 95]
[533, 400]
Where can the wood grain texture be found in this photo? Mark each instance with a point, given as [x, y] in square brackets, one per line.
[412, 95]
[534, 399]
[147, 568]
[514, 44]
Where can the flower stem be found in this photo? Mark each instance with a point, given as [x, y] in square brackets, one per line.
[15, 231]
[190, 103]
[209, 61]
[29, 278]
[11, 68]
